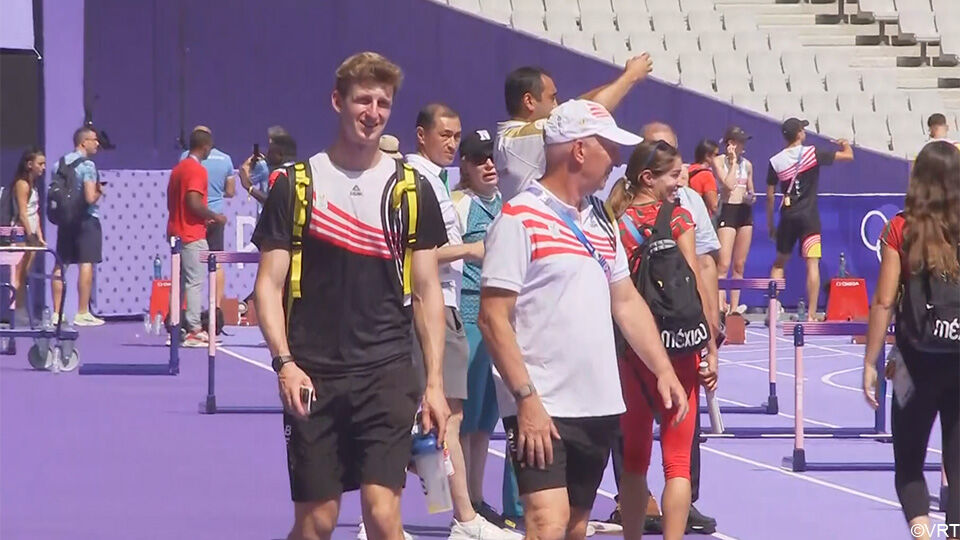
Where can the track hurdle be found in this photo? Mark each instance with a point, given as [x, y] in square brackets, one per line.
[770, 406]
[209, 404]
[798, 461]
[172, 367]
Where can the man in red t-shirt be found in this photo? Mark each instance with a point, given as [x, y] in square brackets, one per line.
[189, 216]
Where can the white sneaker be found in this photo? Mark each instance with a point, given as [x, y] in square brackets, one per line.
[87, 319]
[741, 309]
[362, 533]
[479, 528]
[591, 529]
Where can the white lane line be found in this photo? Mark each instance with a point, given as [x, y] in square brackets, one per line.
[783, 414]
[815, 346]
[812, 480]
[605, 493]
[242, 358]
[725, 362]
[721, 536]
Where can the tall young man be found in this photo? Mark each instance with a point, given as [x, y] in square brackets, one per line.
[341, 341]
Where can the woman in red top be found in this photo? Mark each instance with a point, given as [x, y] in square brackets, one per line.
[702, 178]
[652, 177]
[924, 237]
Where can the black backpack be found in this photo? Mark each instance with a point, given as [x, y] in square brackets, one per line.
[8, 207]
[66, 204]
[928, 314]
[669, 286]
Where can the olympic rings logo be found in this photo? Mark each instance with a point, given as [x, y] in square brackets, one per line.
[872, 225]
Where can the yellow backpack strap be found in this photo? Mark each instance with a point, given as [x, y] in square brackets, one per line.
[405, 191]
[301, 190]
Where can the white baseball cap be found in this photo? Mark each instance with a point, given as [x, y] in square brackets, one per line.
[581, 118]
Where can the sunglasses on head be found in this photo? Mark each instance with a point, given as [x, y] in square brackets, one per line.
[664, 145]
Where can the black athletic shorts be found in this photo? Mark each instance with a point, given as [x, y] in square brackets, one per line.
[358, 432]
[579, 458]
[80, 243]
[735, 216]
[215, 236]
[804, 227]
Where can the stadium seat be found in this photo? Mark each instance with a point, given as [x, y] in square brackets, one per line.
[843, 81]
[473, 6]
[730, 84]
[875, 79]
[577, 41]
[854, 102]
[696, 80]
[891, 101]
[908, 146]
[883, 10]
[866, 123]
[817, 103]
[800, 61]
[488, 6]
[918, 26]
[783, 42]
[769, 82]
[629, 22]
[668, 21]
[748, 42]
[950, 48]
[913, 5]
[948, 22]
[716, 42]
[569, 7]
[801, 83]
[731, 62]
[663, 5]
[692, 5]
[692, 61]
[610, 43]
[945, 7]
[597, 21]
[904, 123]
[528, 5]
[678, 42]
[596, 6]
[665, 67]
[646, 42]
[836, 125]
[924, 101]
[750, 100]
[528, 21]
[764, 61]
[704, 21]
[621, 6]
[561, 22]
[878, 142]
[783, 105]
[832, 60]
[740, 21]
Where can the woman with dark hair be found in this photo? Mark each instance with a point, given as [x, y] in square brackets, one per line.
[702, 179]
[652, 178]
[25, 203]
[922, 242]
[735, 223]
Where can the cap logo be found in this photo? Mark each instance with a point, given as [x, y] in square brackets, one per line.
[598, 111]
[483, 134]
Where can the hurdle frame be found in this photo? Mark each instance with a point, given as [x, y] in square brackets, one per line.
[797, 462]
[209, 404]
[772, 286]
[172, 367]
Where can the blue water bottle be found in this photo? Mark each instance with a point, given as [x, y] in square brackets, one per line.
[429, 462]
[157, 265]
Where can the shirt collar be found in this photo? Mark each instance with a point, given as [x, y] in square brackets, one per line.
[543, 193]
[194, 157]
[424, 165]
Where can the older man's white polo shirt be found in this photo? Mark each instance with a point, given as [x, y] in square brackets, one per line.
[562, 320]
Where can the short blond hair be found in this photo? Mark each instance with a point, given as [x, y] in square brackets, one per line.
[367, 67]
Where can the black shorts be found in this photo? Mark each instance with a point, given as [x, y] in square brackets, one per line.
[80, 243]
[804, 227]
[579, 458]
[358, 433]
[215, 236]
[735, 216]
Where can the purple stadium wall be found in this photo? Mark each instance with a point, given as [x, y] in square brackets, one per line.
[154, 69]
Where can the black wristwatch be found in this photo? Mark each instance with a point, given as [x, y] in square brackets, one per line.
[280, 361]
[524, 391]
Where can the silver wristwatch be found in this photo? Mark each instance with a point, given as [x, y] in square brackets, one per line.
[524, 391]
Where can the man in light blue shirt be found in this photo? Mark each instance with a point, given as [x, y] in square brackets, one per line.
[81, 243]
[221, 184]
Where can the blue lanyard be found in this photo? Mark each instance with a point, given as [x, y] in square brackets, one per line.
[562, 213]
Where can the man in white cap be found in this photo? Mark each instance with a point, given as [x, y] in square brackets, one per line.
[554, 270]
